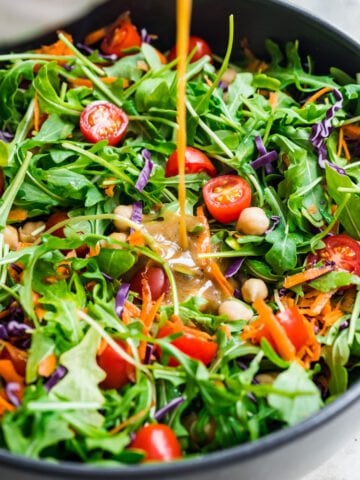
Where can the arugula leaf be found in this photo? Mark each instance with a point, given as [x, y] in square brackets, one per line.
[282, 256]
[296, 396]
[334, 280]
[41, 347]
[115, 262]
[54, 128]
[81, 383]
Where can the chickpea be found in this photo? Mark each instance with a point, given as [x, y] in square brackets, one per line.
[254, 289]
[118, 236]
[124, 211]
[235, 310]
[30, 231]
[11, 237]
[253, 221]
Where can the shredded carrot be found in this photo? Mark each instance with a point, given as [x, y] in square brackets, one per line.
[94, 251]
[340, 140]
[18, 215]
[317, 95]
[128, 421]
[212, 268]
[306, 275]
[8, 372]
[162, 57]
[57, 48]
[47, 366]
[136, 239]
[267, 325]
[17, 356]
[85, 82]
[351, 131]
[95, 36]
[226, 330]
[133, 309]
[346, 150]
[273, 100]
[36, 113]
[147, 322]
[5, 406]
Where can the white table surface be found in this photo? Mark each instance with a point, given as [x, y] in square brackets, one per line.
[345, 14]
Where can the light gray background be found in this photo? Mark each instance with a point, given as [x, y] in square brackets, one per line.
[20, 19]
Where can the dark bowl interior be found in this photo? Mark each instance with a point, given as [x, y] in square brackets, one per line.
[292, 452]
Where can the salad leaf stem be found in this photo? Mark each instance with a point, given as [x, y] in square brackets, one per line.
[101, 86]
[83, 59]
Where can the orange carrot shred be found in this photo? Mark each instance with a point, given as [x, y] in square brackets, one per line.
[273, 100]
[317, 95]
[36, 113]
[351, 131]
[306, 276]
[17, 215]
[128, 421]
[346, 150]
[5, 406]
[136, 239]
[340, 140]
[47, 366]
[8, 372]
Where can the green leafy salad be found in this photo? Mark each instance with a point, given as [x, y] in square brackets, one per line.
[117, 345]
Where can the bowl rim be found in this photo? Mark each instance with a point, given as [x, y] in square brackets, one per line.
[231, 455]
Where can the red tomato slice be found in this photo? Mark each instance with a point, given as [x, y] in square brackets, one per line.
[341, 249]
[294, 325]
[121, 38]
[195, 162]
[226, 197]
[158, 442]
[116, 368]
[156, 278]
[195, 346]
[103, 121]
[202, 49]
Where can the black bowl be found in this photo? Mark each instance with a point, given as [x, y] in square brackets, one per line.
[292, 452]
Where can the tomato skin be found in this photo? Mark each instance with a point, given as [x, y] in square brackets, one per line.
[194, 346]
[121, 38]
[202, 49]
[55, 218]
[294, 326]
[103, 120]
[341, 249]
[156, 278]
[159, 443]
[195, 162]
[226, 197]
[116, 368]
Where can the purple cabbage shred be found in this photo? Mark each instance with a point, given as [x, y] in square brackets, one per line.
[3, 332]
[145, 36]
[16, 329]
[234, 267]
[121, 297]
[265, 158]
[107, 277]
[260, 145]
[321, 131]
[136, 216]
[162, 412]
[88, 50]
[145, 173]
[11, 389]
[55, 378]
[148, 353]
[223, 86]
[6, 136]
[275, 222]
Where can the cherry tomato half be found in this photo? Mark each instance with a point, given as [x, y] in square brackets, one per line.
[116, 368]
[54, 219]
[295, 326]
[103, 121]
[120, 38]
[195, 162]
[158, 442]
[202, 49]
[156, 278]
[226, 197]
[194, 345]
[341, 249]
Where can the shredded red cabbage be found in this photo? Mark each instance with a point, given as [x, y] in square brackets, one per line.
[136, 215]
[275, 222]
[11, 389]
[6, 136]
[162, 412]
[107, 277]
[145, 36]
[59, 373]
[234, 267]
[321, 131]
[148, 353]
[16, 329]
[3, 332]
[266, 158]
[145, 172]
[223, 86]
[121, 297]
[88, 50]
